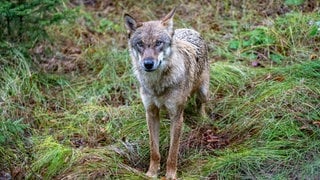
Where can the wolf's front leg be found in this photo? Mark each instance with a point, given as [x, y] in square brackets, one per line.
[175, 133]
[153, 121]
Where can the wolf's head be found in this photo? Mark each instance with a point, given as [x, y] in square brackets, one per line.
[150, 42]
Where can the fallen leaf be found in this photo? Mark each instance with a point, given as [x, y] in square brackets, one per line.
[305, 127]
[313, 57]
[269, 76]
[279, 78]
[317, 123]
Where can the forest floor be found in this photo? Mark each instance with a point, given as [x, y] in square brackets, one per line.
[70, 109]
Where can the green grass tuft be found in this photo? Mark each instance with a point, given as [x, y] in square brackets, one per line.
[51, 158]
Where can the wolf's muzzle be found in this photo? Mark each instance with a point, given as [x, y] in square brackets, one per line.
[149, 64]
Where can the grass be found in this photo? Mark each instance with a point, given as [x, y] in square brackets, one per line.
[270, 118]
[72, 110]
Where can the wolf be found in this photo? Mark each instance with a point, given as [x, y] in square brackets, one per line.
[170, 65]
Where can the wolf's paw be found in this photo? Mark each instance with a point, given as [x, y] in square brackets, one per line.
[152, 174]
[171, 175]
[169, 178]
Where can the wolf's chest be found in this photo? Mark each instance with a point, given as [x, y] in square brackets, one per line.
[161, 85]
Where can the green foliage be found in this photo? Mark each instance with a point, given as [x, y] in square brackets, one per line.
[315, 30]
[101, 24]
[299, 29]
[256, 37]
[25, 20]
[19, 76]
[289, 36]
[294, 2]
[21, 89]
[10, 131]
[12, 141]
[107, 25]
[51, 158]
[276, 58]
[255, 43]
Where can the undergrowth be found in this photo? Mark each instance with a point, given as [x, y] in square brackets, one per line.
[70, 105]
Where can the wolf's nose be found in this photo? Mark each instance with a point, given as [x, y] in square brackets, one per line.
[148, 64]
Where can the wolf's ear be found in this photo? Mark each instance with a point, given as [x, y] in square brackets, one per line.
[131, 24]
[167, 21]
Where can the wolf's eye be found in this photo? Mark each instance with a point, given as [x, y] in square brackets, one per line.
[140, 44]
[159, 43]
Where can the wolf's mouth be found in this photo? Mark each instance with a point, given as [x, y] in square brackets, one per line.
[149, 70]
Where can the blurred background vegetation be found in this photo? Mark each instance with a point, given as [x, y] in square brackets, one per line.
[70, 106]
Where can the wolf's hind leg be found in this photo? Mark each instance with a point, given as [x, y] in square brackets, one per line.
[203, 95]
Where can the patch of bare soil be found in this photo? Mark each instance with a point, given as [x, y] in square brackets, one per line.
[64, 60]
[205, 138]
[94, 5]
[93, 140]
[117, 98]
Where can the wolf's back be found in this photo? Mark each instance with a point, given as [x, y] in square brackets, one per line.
[189, 35]
[194, 38]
